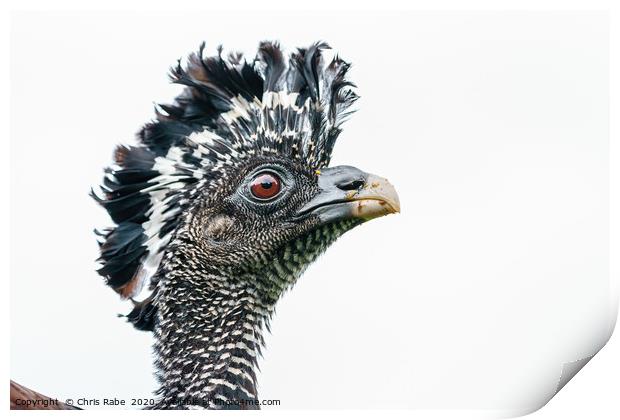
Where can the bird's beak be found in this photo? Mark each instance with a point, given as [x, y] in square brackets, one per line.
[349, 193]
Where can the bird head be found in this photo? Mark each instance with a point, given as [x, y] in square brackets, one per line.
[274, 216]
[232, 180]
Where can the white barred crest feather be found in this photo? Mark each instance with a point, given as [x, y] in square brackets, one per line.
[229, 111]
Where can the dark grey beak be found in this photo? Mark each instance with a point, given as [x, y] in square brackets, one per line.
[348, 193]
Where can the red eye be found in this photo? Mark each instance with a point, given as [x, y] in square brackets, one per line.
[265, 186]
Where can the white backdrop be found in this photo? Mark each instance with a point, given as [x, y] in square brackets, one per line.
[492, 127]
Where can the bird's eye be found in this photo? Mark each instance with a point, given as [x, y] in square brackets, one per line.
[265, 186]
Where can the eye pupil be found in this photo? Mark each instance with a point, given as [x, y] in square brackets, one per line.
[265, 186]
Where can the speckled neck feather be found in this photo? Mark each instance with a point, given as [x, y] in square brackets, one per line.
[209, 328]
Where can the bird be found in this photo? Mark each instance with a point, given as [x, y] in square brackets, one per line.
[224, 200]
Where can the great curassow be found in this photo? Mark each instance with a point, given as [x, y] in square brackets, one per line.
[223, 203]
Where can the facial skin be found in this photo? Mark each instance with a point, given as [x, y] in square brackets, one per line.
[236, 229]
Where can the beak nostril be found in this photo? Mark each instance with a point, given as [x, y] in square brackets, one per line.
[351, 185]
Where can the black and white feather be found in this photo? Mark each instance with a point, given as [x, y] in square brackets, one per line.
[229, 110]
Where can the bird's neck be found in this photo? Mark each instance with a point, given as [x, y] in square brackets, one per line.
[208, 336]
[210, 320]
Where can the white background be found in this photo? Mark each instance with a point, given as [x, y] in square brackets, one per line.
[493, 127]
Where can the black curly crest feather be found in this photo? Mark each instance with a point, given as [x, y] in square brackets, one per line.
[229, 111]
